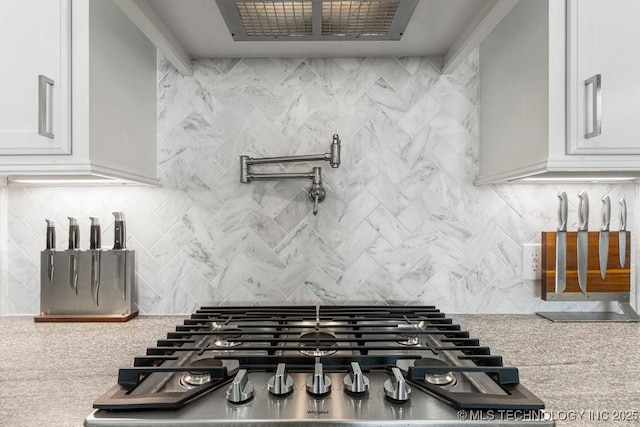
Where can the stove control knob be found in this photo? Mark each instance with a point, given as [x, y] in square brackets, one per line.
[356, 382]
[241, 389]
[396, 388]
[318, 384]
[281, 383]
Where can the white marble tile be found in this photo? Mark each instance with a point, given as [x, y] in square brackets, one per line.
[357, 273]
[21, 200]
[329, 71]
[385, 223]
[231, 276]
[388, 257]
[295, 243]
[326, 225]
[514, 226]
[294, 212]
[172, 242]
[262, 288]
[294, 83]
[357, 241]
[421, 80]
[266, 70]
[389, 133]
[357, 210]
[21, 265]
[168, 85]
[19, 298]
[325, 289]
[327, 259]
[265, 228]
[225, 65]
[419, 209]
[21, 232]
[392, 104]
[391, 71]
[147, 297]
[261, 98]
[349, 64]
[389, 195]
[294, 116]
[263, 258]
[232, 212]
[146, 265]
[358, 83]
[353, 116]
[296, 273]
[172, 273]
[232, 243]
[263, 129]
[382, 283]
[482, 272]
[178, 301]
[171, 211]
[302, 295]
[419, 115]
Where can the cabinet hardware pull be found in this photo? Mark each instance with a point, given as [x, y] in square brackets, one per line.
[596, 109]
[45, 110]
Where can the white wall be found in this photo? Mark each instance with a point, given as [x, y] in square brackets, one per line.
[402, 221]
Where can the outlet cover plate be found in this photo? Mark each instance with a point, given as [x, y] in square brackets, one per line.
[531, 261]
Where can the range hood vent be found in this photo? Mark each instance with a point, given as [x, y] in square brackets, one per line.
[316, 20]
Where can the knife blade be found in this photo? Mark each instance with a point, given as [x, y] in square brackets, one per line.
[603, 244]
[119, 272]
[583, 239]
[74, 244]
[73, 271]
[561, 244]
[50, 247]
[95, 275]
[622, 236]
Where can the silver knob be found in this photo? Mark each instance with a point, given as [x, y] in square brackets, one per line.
[397, 389]
[281, 383]
[356, 382]
[241, 389]
[318, 384]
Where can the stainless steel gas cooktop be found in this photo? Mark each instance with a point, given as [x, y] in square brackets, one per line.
[329, 365]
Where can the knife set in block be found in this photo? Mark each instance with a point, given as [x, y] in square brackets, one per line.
[586, 265]
[92, 285]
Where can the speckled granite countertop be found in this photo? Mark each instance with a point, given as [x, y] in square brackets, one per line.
[50, 373]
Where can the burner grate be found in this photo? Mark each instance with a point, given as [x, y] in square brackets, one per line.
[335, 336]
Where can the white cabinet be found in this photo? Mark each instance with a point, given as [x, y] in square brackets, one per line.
[536, 109]
[34, 77]
[603, 46]
[112, 112]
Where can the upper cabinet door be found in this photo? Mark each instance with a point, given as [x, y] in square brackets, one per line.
[604, 77]
[35, 77]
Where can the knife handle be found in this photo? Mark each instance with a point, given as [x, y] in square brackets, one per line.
[606, 213]
[583, 211]
[623, 215]
[563, 208]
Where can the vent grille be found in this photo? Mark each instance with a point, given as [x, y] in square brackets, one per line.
[357, 18]
[275, 18]
[252, 20]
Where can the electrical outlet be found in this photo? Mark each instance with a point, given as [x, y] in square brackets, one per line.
[531, 266]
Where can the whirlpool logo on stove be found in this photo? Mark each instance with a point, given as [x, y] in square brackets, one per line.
[316, 412]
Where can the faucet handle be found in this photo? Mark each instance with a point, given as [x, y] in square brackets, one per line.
[335, 152]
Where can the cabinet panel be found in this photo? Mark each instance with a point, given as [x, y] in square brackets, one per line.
[34, 41]
[603, 39]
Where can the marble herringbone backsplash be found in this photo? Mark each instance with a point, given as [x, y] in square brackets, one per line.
[402, 221]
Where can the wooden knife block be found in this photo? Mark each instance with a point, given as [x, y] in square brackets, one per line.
[617, 279]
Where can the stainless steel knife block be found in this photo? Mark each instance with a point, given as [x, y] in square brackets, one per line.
[87, 285]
